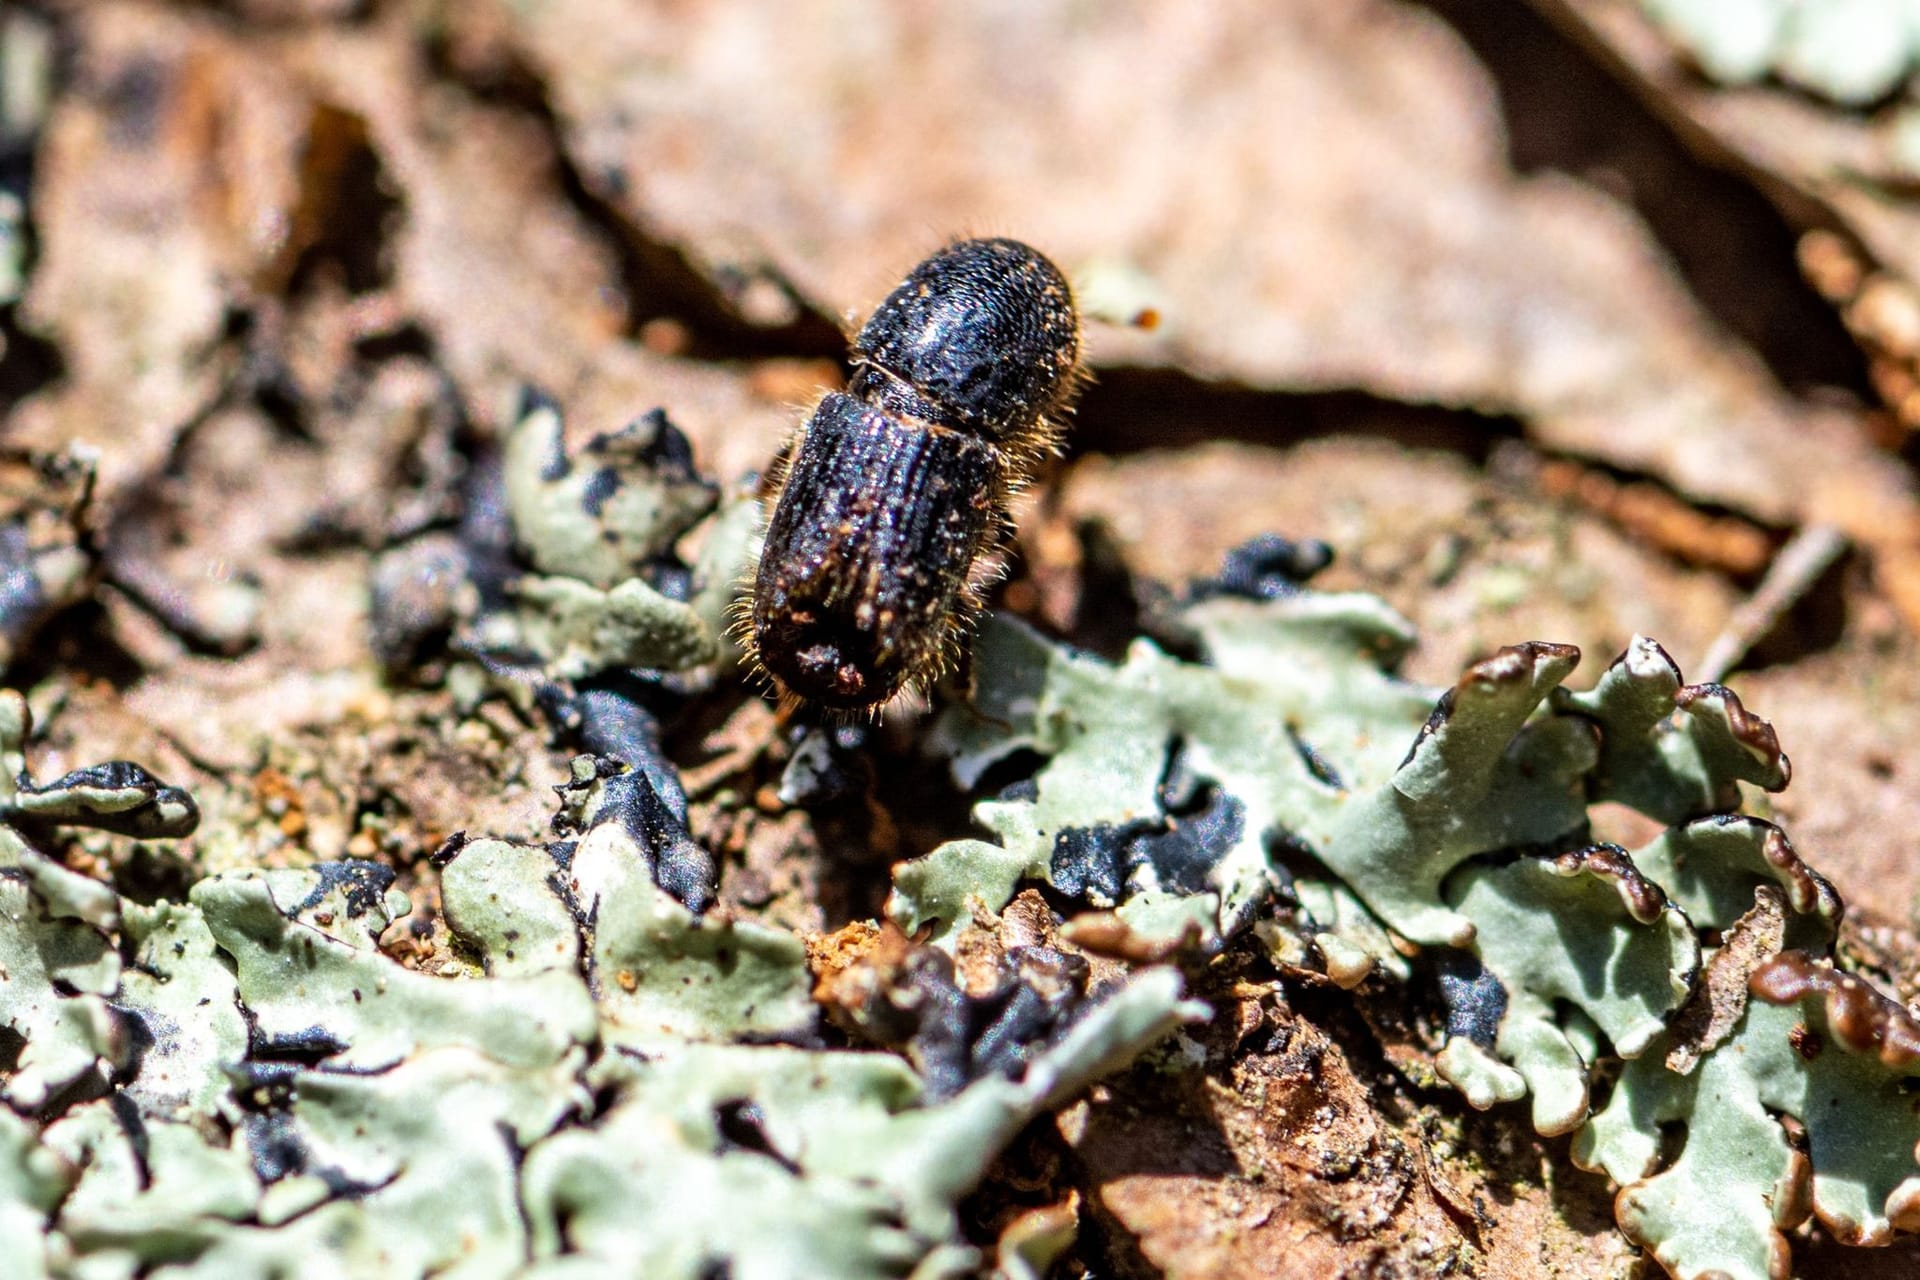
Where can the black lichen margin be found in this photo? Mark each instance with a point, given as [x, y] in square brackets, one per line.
[362, 887]
[955, 1037]
[118, 796]
[895, 496]
[1475, 999]
[1177, 853]
[1265, 567]
[646, 800]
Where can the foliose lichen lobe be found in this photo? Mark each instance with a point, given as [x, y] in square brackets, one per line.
[1559, 959]
[1862, 1019]
[1280, 789]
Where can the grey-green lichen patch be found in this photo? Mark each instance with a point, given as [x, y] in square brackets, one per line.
[1856, 1170]
[1832, 1048]
[1483, 775]
[594, 905]
[246, 1084]
[1736, 1159]
[306, 988]
[150, 1191]
[597, 533]
[13, 250]
[505, 899]
[1297, 713]
[58, 962]
[660, 972]
[1673, 751]
[410, 1171]
[1854, 52]
[782, 1162]
[1712, 866]
[606, 512]
[1447, 833]
[1299, 723]
[33, 1179]
[188, 1007]
[1579, 943]
[579, 629]
[55, 978]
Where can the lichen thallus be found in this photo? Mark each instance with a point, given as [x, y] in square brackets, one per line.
[894, 495]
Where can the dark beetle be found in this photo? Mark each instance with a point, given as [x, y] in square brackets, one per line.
[896, 490]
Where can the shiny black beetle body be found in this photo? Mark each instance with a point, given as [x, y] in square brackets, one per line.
[896, 490]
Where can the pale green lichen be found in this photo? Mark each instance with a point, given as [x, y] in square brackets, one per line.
[13, 250]
[1854, 52]
[27, 59]
[1861, 1133]
[1375, 826]
[59, 974]
[58, 964]
[186, 1002]
[607, 510]
[1621, 963]
[580, 629]
[33, 1180]
[598, 1092]
[858, 1176]
[604, 1078]
[1668, 765]
[1246, 725]
[599, 528]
